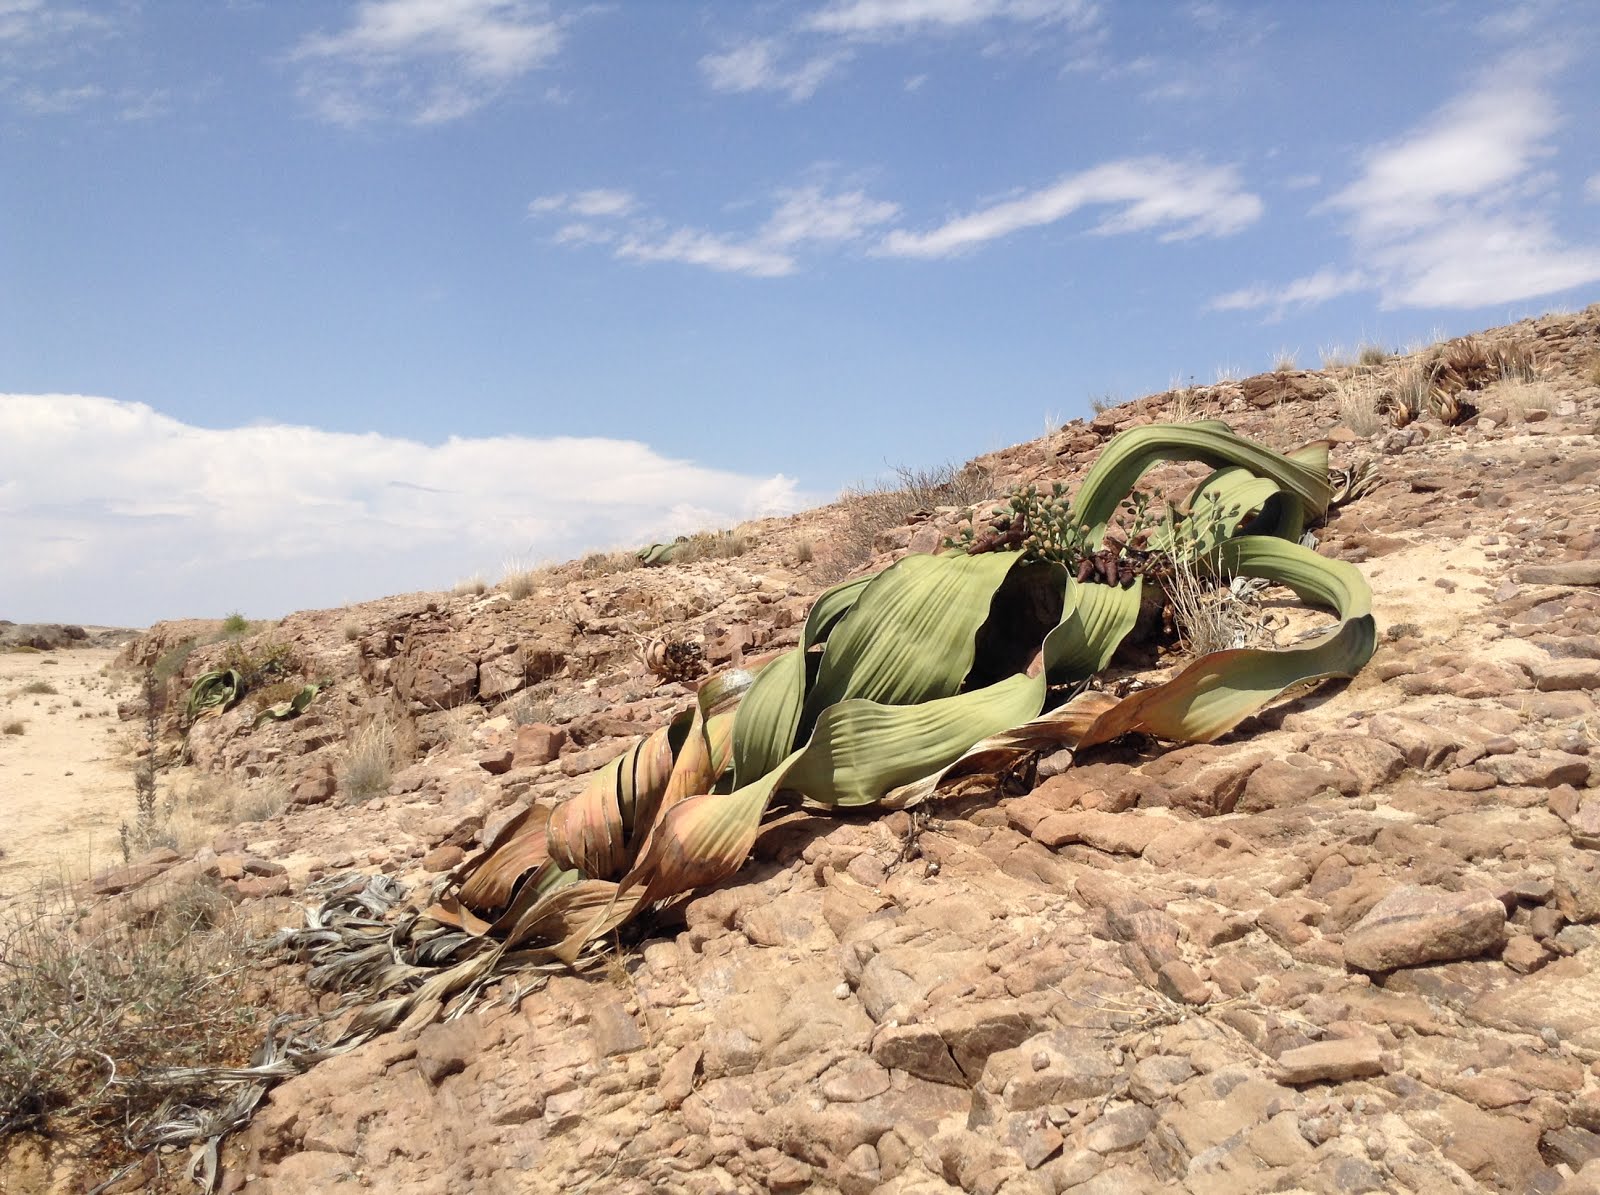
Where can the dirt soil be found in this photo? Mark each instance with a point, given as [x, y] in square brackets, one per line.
[66, 783]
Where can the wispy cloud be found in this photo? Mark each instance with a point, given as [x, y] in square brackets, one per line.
[803, 219]
[1182, 199]
[588, 204]
[759, 65]
[1456, 213]
[43, 26]
[1315, 288]
[1591, 189]
[799, 59]
[423, 61]
[901, 18]
[113, 512]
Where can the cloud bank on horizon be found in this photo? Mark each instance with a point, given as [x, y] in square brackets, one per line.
[113, 513]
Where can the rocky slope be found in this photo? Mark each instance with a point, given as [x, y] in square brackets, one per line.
[1352, 947]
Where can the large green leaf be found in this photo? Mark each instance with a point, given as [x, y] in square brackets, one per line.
[911, 634]
[1130, 455]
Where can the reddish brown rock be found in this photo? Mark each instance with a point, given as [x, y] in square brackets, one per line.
[1332, 1061]
[443, 858]
[315, 786]
[538, 744]
[496, 760]
[1415, 925]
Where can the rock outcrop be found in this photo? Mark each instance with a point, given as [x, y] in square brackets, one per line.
[1354, 947]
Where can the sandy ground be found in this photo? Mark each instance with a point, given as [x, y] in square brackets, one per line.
[66, 782]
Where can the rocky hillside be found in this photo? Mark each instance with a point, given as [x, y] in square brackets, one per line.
[1351, 947]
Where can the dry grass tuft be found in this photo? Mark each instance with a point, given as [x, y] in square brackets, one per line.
[473, 586]
[94, 1017]
[1210, 617]
[368, 765]
[1285, 361]
[1358, 400]
[803, 550]
[350, 629]
[42, 688]
[1411, 393]
[535, 704]
[14, 726]
[1371, 355]
[520, 580]
[1335, 357]
[603, 564]
[1518, 397]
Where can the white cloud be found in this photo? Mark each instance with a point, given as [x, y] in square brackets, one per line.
[60, 100]
[1315, 288]
[593, 204]
[1591, 189]
[1473, 146]
[1183, 199]
[115, 513]
[898, 18]
[811, 51]
[425, 61]
[698, 248]
[757, 65]
[808, 214]
[32, 24]
[803, 218]
[1459, 211]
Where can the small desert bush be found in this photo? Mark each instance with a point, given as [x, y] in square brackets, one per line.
[1371, 355]
[369, 760]
[803, 550]
[871, 509]
[42, 688]
[235, 624]
[1285, 361]
[263, 663]
[93, 1019]
[1101, 403]
[603, 564]
[189, 817]
[171, 661]
[471, 587]
[1335, 357]
[350, 629]
[532, 705]
[15, 726]
[711, 545]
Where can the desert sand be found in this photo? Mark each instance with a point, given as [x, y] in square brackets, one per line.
[66, 781]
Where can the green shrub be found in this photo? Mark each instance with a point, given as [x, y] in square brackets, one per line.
[171, 662]
[235, 624]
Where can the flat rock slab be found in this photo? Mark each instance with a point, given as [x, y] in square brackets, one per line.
[1564, 997]
[1415, 925]
[1332, 1061]
[1569, 572]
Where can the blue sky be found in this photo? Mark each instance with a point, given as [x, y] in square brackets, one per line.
[303, 303]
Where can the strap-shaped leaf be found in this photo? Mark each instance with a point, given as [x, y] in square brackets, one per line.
[912, 632]
[1130, 455]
